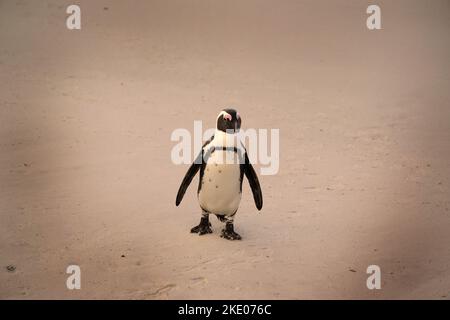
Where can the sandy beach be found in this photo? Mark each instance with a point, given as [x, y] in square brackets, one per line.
[86, 176]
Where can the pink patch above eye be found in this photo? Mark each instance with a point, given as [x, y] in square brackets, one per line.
[227, 117]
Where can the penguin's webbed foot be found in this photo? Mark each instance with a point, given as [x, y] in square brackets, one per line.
[204, 227]
[229, 234]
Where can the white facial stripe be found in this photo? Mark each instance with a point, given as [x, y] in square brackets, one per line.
[226, 115]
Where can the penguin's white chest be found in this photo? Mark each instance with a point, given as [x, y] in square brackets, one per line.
[220, 192]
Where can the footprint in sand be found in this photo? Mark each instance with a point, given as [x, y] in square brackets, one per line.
[198, 280]
[163, 289]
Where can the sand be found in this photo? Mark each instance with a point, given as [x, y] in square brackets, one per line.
[86, 175]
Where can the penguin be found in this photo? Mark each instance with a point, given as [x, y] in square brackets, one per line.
[223, 162]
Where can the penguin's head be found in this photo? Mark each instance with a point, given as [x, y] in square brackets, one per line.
[229, 121]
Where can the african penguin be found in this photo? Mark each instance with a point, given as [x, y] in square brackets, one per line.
[222, 163]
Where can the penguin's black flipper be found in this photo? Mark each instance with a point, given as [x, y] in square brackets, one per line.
[254, 182]
[190, 174]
